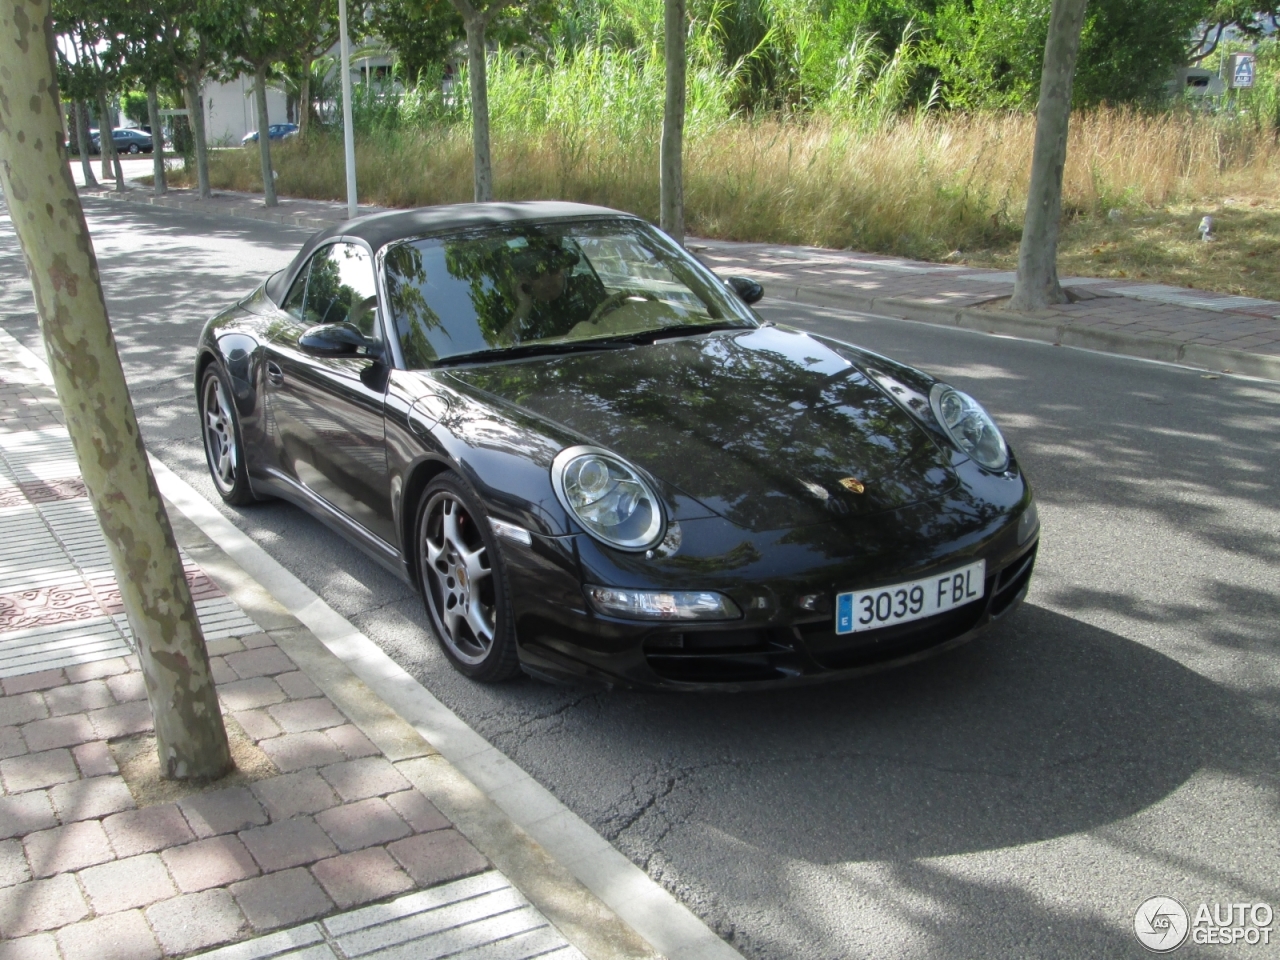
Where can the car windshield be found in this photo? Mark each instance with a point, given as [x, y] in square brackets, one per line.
[529, 288]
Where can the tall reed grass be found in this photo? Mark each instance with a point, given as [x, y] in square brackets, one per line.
[921, 185]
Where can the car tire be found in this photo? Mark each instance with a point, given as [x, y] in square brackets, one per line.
[464, 582]
[223, 443]
[133, 148]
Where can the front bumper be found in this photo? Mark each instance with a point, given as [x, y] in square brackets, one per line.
[561, 639]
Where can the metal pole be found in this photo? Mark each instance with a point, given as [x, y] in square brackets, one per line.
[348, 135]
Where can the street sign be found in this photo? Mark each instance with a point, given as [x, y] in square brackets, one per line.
[1240, 71]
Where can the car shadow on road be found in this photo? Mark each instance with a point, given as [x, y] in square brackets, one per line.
[1047, 727]
[916, 798]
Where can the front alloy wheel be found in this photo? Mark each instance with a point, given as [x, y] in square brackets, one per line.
[463, 584]
[222, 441]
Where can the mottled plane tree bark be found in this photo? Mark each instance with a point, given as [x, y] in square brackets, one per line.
[50, 224]
[159, 185]
[317, 33]
[1036, 285]
[107, 140]
[138, 36]
[82, 138]
[194, 37]
[82, 76]
[268, 33]
[671, 186]
[476, 18]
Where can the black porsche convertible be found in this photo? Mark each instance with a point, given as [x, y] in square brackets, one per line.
[594, 460]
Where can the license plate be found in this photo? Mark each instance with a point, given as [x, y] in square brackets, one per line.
[860, 610]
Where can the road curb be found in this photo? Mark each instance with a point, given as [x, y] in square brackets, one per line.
[1045, 330]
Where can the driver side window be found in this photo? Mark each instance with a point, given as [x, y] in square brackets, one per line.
[337, 286]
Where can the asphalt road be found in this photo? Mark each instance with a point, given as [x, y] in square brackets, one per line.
[1117, 739]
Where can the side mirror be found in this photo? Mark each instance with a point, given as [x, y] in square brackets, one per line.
[338, 340]
[746, 288]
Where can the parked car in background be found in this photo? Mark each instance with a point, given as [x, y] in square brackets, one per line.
[126, 139]
[277, 131]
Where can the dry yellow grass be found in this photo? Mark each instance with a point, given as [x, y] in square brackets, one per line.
[942, 187]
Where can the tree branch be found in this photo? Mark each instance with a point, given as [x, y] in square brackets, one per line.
[465, 8]
[1197, 57]
[494, 9]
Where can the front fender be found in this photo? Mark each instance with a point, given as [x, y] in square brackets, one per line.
[239, 355]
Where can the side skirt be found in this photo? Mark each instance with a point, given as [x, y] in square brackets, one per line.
[374, 546]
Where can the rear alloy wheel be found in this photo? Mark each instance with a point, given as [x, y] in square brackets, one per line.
[222, 447]
[463, 582]
[134, 148]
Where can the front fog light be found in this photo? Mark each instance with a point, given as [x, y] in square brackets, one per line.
[662, 605]
[1028, 523]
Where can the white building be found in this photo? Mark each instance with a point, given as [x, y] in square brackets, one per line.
[231, 111]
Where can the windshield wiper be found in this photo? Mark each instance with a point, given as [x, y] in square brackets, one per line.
[591, 343]
[529, 350]
[680, 330]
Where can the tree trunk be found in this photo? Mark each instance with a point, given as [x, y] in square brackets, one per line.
[107, 142]
[195, 117]
[304, 98]
[82, 134]
[157, 142]
[476, 73]
[103, 158]
[95, 400]
[672, 157]
[264, 138]
[1036, 286]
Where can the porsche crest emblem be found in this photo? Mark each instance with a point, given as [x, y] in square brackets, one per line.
[852, 484]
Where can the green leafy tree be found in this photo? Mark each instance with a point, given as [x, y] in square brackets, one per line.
[76, 78]
[1036, 285]
[139, 32]
[422, 32]
[317, 33]
[197, 37]
[1250, 17]
[133, 103]
[267, 34]
[477, 17]
[88, 59]
[671, 161]
[988, 53]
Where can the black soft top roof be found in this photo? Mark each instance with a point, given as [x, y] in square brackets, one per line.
[379, 229]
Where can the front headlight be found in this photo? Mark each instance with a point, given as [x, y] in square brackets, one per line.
[608, 497]
[969, 427]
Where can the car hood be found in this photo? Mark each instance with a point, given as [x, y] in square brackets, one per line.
[760, 426]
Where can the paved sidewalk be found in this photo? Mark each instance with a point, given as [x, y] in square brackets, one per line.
[1133, 318]
[327, 814]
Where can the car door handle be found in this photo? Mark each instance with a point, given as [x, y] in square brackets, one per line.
[274, 373]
